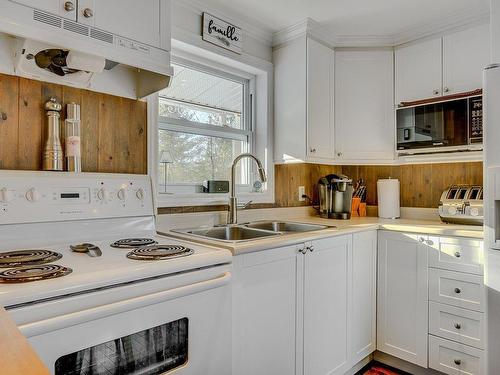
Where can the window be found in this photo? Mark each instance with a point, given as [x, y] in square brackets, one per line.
[204, 123]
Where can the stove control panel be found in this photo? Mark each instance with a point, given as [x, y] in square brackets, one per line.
[46, 196]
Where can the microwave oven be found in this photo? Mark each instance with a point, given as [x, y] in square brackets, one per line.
[452, 125]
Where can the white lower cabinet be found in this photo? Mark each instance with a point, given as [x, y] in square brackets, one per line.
[295, 310]
[402, 300]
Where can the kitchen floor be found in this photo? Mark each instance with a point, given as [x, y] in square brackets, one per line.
[376, 368]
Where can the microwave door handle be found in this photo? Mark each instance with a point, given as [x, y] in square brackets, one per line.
[406, 134]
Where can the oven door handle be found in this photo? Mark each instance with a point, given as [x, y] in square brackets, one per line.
[68, 320]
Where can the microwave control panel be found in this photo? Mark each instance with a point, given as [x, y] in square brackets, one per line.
[476, 119]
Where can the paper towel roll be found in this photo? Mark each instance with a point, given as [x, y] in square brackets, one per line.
[388, 198]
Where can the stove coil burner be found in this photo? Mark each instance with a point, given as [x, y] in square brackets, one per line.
[33, 273]
[132, 243]
[159, 252]
[20, 258]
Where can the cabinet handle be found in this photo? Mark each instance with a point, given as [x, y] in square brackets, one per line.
[429, 242]
[457, 254]
[421, 239]
[435, 92]
[457, 361]
[311, 248]
[339, 154]
[457, 325]
[446, 89]
[303, 250]
[88, 13]
[69, 6]
[313, 150]
[458, 290]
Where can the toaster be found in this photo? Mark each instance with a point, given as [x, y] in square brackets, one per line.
[462, 204]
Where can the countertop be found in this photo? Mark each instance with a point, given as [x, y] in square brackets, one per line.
[342, 227]
[16, 355]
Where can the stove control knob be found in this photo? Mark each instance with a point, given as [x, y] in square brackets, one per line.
[103, 195]
[474, 211]
[140, 194]
[452, 210]
[122, 194]
[6, 195]
[33, 195]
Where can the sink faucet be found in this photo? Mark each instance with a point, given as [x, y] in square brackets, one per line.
[232, 217]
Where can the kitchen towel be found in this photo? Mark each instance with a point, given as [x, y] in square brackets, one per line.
[388, 198]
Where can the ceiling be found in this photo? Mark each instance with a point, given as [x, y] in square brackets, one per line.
[353, 17]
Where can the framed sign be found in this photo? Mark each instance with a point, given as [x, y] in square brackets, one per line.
[221, 33]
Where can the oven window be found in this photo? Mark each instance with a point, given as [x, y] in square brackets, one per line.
[150, 352]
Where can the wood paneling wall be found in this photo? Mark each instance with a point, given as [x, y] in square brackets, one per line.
[114, 137]
[421, 184]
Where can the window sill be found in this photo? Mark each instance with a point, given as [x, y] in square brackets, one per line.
[204, 199]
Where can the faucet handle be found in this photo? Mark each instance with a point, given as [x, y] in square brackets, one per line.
[243, 206]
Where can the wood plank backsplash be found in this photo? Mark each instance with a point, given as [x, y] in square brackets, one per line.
[114, 137]
[421, 184]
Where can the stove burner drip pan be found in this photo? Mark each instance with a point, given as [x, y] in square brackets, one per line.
[20, 258]
[159, 252]
[33, 273]
[132, 243]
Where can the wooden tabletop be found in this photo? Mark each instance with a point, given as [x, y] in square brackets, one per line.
[16, 354]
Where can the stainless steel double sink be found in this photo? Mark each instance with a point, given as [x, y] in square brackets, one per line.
[251, 231]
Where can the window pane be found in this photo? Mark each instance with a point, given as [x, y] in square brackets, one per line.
[197, 113]
[203, 97]
[193, 158]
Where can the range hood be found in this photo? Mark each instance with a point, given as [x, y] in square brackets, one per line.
[51, 48]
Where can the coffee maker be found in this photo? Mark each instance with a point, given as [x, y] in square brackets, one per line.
[335, 196]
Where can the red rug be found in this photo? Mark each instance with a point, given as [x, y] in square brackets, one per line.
[376, 370]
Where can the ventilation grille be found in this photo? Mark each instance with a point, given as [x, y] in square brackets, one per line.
[76, 28]
[46, 18]
[101, 35]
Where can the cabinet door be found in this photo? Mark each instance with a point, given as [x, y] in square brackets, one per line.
[63, 8]
[319, 101]
[364, 108]
[325, 307]
[136, 20]
[402, 296]
[418, 71]
[265, 292]
[363, 295]
[465, 55]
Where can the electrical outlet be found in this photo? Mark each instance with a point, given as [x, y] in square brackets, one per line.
[302, 191]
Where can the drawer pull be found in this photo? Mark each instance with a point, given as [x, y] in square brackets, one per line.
[421, 239]
[457, 361]
[429, 242]
[457, 254]
[457, 325]
[458, 290]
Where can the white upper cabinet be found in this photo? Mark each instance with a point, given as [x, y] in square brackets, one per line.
[418, 71]
[319, 100]
[465, 55]
[303, 101]
[63, 8]
[137, 20]
[364, 108]
[442, 66]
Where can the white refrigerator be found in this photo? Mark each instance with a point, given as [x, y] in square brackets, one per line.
[491, 140]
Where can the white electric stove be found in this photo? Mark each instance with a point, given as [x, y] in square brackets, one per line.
[94, 288]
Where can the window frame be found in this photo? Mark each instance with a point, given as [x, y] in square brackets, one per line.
[186, 192]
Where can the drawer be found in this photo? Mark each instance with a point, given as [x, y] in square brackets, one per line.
[456, 254]
[456, 289]
[454, 323]
[453, 358]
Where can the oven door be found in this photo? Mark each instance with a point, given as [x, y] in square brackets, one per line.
[185, 329]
